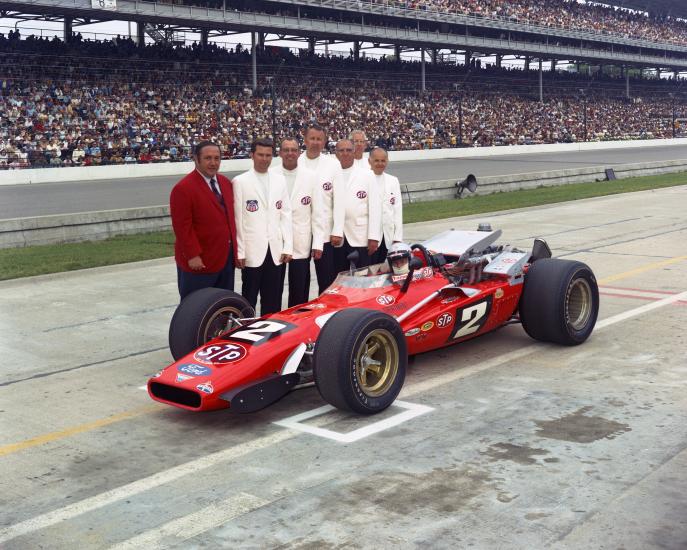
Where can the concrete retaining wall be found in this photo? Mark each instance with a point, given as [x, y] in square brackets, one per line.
[21, 232]
[85, 226]
[446, 189]
[99, 173]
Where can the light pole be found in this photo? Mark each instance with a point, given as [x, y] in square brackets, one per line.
[270, 80]
[459, 90]
[273, 94]
[584, 112]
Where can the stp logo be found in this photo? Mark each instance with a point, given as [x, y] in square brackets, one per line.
[444, 320]
[327, 186]
[385, 300]
[220, 353]
[392, 200]
[361, 194]
[306, 201]
[278, 205]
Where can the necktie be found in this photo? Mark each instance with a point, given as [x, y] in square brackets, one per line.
[215, 190]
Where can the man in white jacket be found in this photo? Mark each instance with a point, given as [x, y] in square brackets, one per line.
[359, 140]
[306, 213]
[326, 170]
[264, 238]
[389, 190]
[362, 210]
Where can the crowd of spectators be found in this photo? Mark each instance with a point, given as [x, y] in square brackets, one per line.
[113, 102]
[568, 14]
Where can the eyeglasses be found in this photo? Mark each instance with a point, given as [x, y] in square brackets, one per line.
[345, 150]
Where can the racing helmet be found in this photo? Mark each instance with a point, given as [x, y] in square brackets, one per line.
[399, 258]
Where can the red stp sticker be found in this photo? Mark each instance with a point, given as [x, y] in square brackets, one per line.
[306, 200]
[361, 194]
[327, 186]
[278, 205]
[220, 353]
[392, 200]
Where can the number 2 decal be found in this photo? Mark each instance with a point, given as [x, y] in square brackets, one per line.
[471, 319]
[259, 332]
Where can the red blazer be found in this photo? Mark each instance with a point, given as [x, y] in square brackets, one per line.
[201, 226]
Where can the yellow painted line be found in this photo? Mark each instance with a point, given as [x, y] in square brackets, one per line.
[642, 269]
[54, 436]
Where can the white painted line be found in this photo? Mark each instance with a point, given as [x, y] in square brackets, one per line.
[144, 388]
[193, 467]
[127, 491]
[294, 422]
[184, 528]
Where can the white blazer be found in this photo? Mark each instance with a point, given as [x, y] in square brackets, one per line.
[362, 209]
[392, 208]
[306, 212]
[262, 221]
[330, 199]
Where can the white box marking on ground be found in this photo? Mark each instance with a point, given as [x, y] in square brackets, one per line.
[295, 422]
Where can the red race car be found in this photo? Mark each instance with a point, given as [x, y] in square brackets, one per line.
[354, 340]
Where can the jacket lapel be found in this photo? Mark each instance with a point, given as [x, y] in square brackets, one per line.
[258, 188]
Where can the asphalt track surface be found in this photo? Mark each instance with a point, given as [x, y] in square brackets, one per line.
[512, 443]
[22, 201]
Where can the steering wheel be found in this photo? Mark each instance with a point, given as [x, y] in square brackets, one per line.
[429, 259]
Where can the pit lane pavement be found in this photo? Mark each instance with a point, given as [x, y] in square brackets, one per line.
[527, 446]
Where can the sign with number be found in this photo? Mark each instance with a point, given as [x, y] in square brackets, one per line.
[104, 4]
[259, 332]
[470, 319]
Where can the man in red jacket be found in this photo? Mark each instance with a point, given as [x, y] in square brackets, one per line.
[202, 210]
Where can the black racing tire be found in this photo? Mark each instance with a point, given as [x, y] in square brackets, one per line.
[360, 360]
[202, 316]
[559, 302]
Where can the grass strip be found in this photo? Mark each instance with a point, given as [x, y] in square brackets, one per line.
[39, 260]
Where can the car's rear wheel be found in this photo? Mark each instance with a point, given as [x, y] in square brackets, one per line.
[560, 301]
[202, 316]
[360, 361]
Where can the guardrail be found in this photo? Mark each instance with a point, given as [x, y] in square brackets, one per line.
[21, 232]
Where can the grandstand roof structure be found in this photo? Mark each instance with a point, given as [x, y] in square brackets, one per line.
[676, 8]
[382, 25]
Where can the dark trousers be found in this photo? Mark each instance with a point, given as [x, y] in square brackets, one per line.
[188, 281]
[325, 268]
[266, 280]
[299, 281]
[341, 256]
[380, 255]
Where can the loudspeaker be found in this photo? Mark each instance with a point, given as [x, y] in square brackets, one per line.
[469, 183]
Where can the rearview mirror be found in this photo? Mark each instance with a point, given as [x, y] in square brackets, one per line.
[353, 258]
[415, 263]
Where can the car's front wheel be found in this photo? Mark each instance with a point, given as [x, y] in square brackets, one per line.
[202, 316]
[360, 361]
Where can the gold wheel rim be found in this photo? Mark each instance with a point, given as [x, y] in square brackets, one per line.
[578, 307]
[220, 322]
[376, 363]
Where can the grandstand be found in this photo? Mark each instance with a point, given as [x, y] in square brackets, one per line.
[614, 73]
